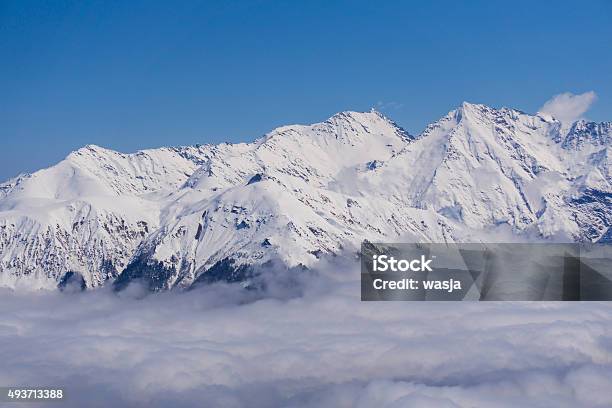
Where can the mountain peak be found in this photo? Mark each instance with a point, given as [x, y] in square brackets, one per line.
[481, 109]
[348, 126]
[371, 121]
[485, 113]
[466, 109]
[472, 106]
[90, 150]
[358, 116]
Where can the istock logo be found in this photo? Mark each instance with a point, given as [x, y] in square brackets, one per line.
[384, 263]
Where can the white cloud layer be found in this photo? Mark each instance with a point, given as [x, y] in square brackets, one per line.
[567, 107]
[316, 347]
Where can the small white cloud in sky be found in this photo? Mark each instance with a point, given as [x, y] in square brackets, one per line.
[390, 105]
[568, 107]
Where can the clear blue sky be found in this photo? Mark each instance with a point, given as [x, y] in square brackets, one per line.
[136, 74]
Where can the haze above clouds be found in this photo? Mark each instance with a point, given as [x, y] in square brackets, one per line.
[318, 346]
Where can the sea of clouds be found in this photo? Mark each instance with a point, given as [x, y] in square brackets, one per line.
[304, 342]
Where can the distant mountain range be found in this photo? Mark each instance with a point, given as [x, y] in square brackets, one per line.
[174, 217]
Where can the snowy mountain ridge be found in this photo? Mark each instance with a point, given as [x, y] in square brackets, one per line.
[175, 217]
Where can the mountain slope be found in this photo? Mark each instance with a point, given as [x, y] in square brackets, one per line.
[87, 214]
[175, 216]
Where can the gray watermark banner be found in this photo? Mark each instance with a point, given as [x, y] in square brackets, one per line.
[512, 271]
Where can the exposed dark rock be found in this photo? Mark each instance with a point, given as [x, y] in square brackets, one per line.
[72, 281]
[285, 281]
[606, 238]
[224, 271]
[153, 274]
[256, 178]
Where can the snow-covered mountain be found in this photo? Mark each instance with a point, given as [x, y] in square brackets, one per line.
[178, 216]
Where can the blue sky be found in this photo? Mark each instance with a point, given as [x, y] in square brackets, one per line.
[139, 74]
